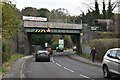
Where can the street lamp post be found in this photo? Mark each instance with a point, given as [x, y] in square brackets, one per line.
[81, 19]
[108, 24]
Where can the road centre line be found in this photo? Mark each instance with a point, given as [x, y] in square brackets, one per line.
[72, 70]
[63, 67]
[68, 69]
[58, 64]
[86, 76]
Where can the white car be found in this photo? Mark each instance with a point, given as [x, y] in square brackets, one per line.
[111, 63]
[74, 48]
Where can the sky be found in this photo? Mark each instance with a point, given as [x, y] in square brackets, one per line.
[74, 7]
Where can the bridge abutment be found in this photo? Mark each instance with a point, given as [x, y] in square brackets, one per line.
[29, 42]
[78, 45]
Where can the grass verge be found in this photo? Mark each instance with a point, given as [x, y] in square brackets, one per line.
[6, 66]
[87, 56]
[84, 55]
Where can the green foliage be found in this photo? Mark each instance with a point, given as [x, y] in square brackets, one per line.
[74, 39]
[2, 70]
[107, 35]
[109, 11]
[58, 15]
[102, 45]
[5, 51]
[53, 47]
[4, 47]
[29, 11]
[41, 39]
[73, 19]
[43, 12]
[55, 43]
[10, 20]
[95, 13]
[77, 53]
[96, 10]
[104, 11]
[5, 57]
[6, 64]
[16, 56]
[67, 41]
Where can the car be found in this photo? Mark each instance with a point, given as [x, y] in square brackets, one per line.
[49, 50]
[58, 49]
[111, 63]
[42, 55]
[74, 48]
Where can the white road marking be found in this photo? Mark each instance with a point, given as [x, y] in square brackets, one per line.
[53, 60]
[68, 69]
[86, 76]
[72, 70]
[58, 64]
[21, 67]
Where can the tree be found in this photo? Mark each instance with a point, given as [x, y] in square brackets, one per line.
[10, 20]
[74, 39]
[96, 9]
[90, 17]
[41, 39]
[104, 11]
[43, 12]
[72, 19]
[29, 11]
[110, 9]
[109, 12]
[58, 15]
[83, 17]
[68, 41]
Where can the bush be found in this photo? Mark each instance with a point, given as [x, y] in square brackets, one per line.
[107, 35]
[102, 45]
[5, 51]
[6, 66]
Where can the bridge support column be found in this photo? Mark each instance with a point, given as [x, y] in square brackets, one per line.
[29, 42]
[78, 45]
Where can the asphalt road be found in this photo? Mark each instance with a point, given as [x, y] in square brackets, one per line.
[61, 66]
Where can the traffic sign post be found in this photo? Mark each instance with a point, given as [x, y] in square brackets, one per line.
[61, 43]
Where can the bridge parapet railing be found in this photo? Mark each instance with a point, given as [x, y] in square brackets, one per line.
[52, 25]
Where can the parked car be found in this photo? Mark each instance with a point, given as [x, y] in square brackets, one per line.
[111, 63]
[49, 50]
[42, 55]
[74, 48]
[58, 49]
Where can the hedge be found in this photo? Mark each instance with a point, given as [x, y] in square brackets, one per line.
[102, 45]
[5, 51]
[107, 35]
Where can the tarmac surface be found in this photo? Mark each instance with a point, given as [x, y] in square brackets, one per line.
[15, 71]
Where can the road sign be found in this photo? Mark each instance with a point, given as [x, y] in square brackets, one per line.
[43, 30]
[34, 18]
[61, 43]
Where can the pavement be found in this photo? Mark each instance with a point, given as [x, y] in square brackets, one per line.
[81, 59]
[15, 71]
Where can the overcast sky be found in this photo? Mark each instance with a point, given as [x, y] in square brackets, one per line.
[73, 6]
